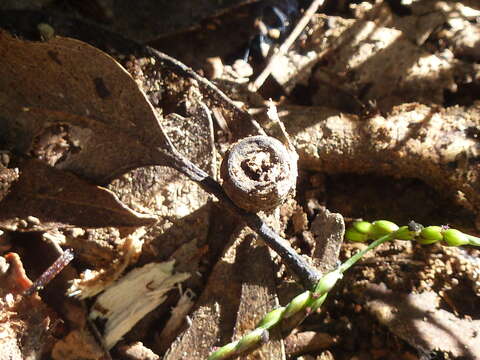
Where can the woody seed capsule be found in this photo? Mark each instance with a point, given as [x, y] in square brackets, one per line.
[258, 173]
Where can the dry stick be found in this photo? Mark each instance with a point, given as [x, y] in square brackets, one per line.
[53, 270]
[66, 255]
[282, 50]
[307, 274]
[211, 138]
[218, 95]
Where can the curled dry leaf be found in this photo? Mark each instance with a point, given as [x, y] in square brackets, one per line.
[44, 198]
[74, 107]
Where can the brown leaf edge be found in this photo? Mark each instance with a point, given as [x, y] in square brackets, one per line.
[45, 198]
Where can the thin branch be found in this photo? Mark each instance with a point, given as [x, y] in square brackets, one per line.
[207, 86]
[211, 138]
[307, 274]
[52, 271]
[282, 50]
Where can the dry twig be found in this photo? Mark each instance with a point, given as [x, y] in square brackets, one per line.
[282, 50]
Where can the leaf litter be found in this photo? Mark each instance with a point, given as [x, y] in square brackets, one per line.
[354, 93]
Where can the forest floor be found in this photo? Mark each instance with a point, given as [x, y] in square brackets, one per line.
[379, 99]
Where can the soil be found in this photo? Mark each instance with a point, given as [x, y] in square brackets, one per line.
[379, 100]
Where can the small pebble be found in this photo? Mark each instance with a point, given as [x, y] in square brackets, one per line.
[33, 220]
[213, 67]
[22, 224]
[4, 159]
[242, 68]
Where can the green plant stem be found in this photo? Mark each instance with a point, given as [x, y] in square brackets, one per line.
[351, 261]
[308, 301]
[473, 240]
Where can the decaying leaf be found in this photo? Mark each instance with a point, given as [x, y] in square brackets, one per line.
[257, 296]
[44, 197]
[235, 294]
[74, 107]
[180, 204]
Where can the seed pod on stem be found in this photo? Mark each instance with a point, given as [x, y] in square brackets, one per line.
[272, 318]
[430, 235]
[353, 235]
[297, 304]
[455, 237]
[382, 227]
[363, 227]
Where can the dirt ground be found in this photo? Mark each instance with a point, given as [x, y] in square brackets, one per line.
[378, 100]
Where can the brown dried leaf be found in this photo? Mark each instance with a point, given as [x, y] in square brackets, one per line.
[75, 107]
[44, 198]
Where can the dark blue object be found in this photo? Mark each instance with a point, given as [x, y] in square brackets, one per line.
[275, 15]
